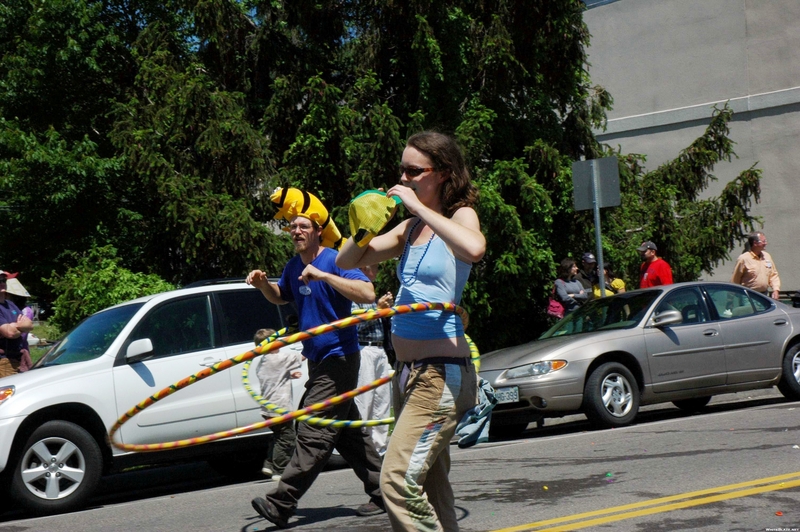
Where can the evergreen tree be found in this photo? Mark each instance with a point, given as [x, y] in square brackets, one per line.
[160, 128]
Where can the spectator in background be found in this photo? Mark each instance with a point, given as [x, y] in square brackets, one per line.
[754, 269]
[587, 275]
[569, 290]
[275, 373]
[654, 271]
[614, 285]
[19, 295]
[12, 325]
[374, 404]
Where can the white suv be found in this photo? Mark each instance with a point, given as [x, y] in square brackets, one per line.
[55, 418]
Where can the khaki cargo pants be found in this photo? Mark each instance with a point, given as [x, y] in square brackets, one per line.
[414, 478]
[8, 367]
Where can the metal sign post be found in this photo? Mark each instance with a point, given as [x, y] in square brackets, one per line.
[596, 184]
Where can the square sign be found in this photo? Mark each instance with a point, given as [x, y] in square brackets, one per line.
[602, 173]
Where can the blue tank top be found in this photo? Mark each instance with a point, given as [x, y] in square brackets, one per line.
[430, 273]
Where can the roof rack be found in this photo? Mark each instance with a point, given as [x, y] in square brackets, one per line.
[210, 282]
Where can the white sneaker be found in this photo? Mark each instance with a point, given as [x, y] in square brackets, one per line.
[276, 478]
[266, 470]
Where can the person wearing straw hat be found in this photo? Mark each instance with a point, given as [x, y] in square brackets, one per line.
[13, 323]
[19, 296]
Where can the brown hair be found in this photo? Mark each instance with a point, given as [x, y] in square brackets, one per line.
[565, 268]
[262, 334]
[446, 155]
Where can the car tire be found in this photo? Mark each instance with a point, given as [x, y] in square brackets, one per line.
[58, 469]
[506, 431]
[611, 396]
[789, 385]
[694, 404]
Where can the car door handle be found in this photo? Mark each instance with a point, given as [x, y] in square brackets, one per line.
[710, 332]
[780, 321]
[209, 362]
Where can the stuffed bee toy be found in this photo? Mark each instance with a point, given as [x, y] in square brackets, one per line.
[293, 202]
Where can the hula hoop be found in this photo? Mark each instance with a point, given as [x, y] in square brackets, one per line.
[327, 422]
[317, 421]
[263, 349]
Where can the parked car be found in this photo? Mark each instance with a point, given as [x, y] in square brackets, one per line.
[682, 343]
[55, 418]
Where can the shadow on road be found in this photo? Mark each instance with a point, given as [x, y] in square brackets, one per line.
[648, 414]
[160, 481]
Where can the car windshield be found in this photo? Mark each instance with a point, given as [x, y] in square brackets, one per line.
[91, 338]
[623, 311]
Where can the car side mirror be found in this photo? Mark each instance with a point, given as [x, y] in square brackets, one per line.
[139, 350]
[667, 317]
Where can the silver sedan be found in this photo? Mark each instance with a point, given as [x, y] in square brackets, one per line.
[680, 343]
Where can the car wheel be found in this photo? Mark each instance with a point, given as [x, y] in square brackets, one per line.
[789, 384]
[506, 431]
[58, 470]
[611, 396]
[692, 405]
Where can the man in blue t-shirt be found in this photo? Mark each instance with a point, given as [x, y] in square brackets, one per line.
[323, 293]
[12, 325]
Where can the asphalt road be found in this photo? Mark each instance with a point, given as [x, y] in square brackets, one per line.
[734, 468]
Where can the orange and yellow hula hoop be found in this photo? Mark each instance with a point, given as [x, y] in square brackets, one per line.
[262, 349]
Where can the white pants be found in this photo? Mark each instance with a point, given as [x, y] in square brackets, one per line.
[375, 404]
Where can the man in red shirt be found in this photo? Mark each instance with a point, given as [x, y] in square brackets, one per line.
[654, 271]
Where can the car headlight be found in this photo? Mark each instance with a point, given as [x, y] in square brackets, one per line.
[5, 393]
[537, 368]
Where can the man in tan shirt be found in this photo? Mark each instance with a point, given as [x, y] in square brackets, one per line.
[755, 270]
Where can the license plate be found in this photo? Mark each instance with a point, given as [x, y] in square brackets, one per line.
[507, 395]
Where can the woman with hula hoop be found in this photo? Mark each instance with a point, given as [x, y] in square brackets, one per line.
[435, 382]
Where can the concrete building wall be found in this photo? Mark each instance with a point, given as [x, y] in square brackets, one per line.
[668, 62]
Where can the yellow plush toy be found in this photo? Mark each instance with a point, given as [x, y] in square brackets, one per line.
[369, 212]
[293, 202]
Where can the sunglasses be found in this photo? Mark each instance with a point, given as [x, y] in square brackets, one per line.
[412, 171]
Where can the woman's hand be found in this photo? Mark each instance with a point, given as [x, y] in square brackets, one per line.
[408, 196]
[386, 300]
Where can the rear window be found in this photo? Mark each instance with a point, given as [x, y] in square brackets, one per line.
[243, 312]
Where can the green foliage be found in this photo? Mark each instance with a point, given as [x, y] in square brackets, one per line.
[45, 331]
[159, 129]
[96, 282]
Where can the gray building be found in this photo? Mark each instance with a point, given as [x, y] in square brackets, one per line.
[668, 62]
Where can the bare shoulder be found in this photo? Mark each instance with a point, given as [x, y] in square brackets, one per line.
[467, 217]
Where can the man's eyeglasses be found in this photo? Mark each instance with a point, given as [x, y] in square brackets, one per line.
[412, 171]
[300, 227]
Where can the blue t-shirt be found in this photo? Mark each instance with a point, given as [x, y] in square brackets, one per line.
[9, 313]
[321, 304]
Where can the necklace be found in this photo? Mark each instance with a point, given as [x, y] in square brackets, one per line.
[407, 280]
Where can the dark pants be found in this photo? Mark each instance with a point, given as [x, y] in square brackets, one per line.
[281, 447]
[314, 446]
